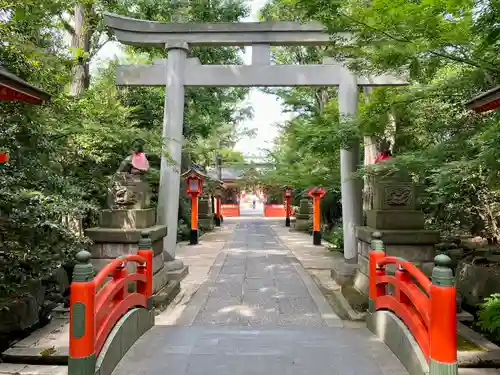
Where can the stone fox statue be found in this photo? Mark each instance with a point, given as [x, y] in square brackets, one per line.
[127, 189]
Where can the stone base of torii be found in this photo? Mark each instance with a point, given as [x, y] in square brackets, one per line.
[179, 71]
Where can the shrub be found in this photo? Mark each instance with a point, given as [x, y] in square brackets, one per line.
[489, 316]
[336, 238]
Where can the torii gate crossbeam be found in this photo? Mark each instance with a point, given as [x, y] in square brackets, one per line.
[177, 72]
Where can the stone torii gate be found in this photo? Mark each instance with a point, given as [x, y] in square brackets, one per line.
[179, 71]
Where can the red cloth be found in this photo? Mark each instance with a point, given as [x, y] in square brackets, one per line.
[139, 161]
[381, 157]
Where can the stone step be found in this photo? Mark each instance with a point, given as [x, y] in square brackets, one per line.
[48, 345]
[478, 371]
[20, 369]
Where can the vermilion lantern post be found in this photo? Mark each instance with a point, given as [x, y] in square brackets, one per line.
[316, 193]
[218, 197]
[194, 181]
[288, 197]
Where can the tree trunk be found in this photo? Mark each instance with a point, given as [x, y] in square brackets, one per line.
[322, 98]
[80, 45]
[370, 155]
[370, 148]
[391, 130]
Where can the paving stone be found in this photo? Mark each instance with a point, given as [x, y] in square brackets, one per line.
[259, 283]
[230, 318]
[221, 303]
[233, 270]
[261, 300]
[230, 279]
[297, 305]
[301, 320]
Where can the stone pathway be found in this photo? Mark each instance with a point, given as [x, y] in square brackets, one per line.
[257, 312]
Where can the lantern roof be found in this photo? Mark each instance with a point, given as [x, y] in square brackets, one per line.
[13, 88]
[194, 171]
[316, 190]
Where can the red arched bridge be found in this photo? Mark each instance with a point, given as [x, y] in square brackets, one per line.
[413, 315]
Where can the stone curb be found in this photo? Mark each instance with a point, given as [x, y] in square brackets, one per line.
[346, 308]
[489, 358]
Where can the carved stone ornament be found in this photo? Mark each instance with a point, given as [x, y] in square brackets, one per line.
[398, 195]
[128, 191]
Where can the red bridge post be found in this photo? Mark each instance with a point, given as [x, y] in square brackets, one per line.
[428, 308]
[443, 320]
[82, 356]
[98, 302]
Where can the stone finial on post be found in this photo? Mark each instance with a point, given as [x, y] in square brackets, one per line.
[83, 270]
[443, 322]
[145, 241]
[376, 243]
[377, 252]
[82, 357]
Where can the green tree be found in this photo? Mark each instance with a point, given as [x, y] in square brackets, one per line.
[448, 51]
[63, 153]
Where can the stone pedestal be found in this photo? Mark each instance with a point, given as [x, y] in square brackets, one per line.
[303, 218]
[119, 233]
[205, 215]
[402, 227]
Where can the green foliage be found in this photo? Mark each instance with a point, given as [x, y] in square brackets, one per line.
[489, 316]
[336, 238]
[63, 153]
[448, 52]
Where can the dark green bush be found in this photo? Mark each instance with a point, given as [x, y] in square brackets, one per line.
[489, 316]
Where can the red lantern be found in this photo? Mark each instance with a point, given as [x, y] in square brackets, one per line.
[288, 197]
[194, 183]
[316, 193]
[194, 180]
[4, 158]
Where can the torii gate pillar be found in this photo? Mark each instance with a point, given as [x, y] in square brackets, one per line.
[351, 189]
[173, 118]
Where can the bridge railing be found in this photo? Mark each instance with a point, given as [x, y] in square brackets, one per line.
[98, 303]
[428, 308]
